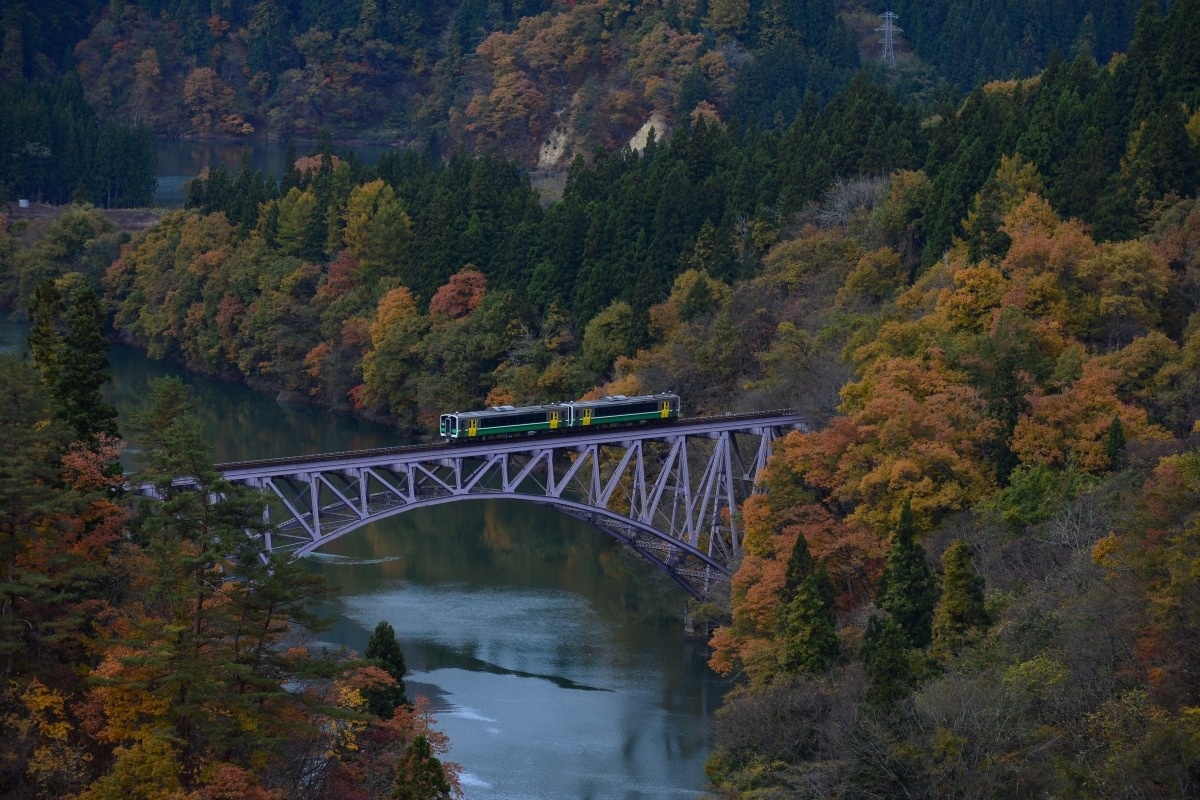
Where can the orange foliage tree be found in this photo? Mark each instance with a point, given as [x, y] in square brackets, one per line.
[977, 367]
[460, 295]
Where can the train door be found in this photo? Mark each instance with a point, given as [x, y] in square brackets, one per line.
[665, 411]
[472, 427]
[553, 420]
[587, 416]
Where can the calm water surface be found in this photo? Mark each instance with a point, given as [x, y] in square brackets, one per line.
[554, 660]
[180, 161]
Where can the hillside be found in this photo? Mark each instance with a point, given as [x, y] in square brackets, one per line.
[538, 81]
[975, 576]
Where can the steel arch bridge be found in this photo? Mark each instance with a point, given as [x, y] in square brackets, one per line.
[670, 492]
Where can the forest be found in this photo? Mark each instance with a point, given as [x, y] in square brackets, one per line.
[147, 651]
[58, 151]
[537, 80]
[975, 576]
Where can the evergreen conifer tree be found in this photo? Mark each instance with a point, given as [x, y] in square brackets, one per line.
[420, 775]
[44, 339]
[889, 671]
[84, 369]
[808, 641]
[384, 648]
[699, 300]
[206, 630]
[1114, 445]
[291, 175]
[907, 589]
[961, 607]
[799, 566]
[68, 345]
[29, 473]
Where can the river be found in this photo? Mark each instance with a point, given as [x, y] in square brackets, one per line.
[554, 660]
[181, 160]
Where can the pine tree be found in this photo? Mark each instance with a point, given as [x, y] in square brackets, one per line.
[808, 641]
[889, 671]
[1143, 52]
[201, 648]
[699, 300]
[1114, 445]
[961, 607]
[907, 589]
[29, 473]
[84, 369]
[799, 566]
[44, 339]
[291, 175]
[420, 775]
[384, 648]
[68, 345]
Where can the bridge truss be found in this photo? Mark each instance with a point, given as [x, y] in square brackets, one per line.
[670, 493]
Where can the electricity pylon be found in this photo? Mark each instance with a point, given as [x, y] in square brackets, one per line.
[889, 39]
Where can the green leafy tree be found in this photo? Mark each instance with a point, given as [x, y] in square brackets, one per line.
[908, 590]
[82, 239]
[1035, 492]
[607, 336]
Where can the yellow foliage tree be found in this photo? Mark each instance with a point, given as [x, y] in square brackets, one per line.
[378, 230]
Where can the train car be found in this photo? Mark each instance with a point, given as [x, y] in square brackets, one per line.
[619, 410]
[524, 420]
[503, 421]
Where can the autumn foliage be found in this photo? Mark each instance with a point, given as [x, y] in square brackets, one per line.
[148, 652]
[999, 398]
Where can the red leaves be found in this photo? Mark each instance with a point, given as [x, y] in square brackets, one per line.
[461, 295]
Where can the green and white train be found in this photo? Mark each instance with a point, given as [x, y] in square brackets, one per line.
[575, 414]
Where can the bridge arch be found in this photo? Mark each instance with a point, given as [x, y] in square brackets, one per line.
[670, 492]
[684, 564]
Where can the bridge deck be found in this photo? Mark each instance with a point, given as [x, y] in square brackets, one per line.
[583, 437]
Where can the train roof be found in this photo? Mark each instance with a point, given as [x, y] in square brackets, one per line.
[499, 411]
[620, 398]
[494, 411]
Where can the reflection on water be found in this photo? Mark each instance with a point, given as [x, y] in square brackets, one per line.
[241, 423]
[554, 658]
[179, 161]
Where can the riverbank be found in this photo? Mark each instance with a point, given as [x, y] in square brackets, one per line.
[131, 220]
